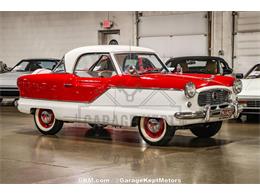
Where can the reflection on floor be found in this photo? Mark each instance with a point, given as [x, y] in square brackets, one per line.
[80, 154]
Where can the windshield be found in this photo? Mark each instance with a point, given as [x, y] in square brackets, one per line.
[32, 65]
[210, 66]
[254, 73]
[142, 62]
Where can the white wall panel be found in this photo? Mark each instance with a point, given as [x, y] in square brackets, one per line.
[168, 47]
[174, 34]
[248, 21]
[177, 24]
[51, 34]
[247, 41]
[1, 36]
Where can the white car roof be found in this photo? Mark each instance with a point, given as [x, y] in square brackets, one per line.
[71, 57]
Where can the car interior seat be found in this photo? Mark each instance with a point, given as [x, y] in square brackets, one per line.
[184, 66]
[212, 67]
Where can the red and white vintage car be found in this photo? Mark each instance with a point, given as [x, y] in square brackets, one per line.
[127, 86]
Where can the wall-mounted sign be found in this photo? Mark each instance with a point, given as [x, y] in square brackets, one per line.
[107, 24]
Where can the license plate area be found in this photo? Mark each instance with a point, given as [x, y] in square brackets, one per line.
[226, 113]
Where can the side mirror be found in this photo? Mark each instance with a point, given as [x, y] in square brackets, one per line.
[239, 75]
[132, 70]
[227, 71]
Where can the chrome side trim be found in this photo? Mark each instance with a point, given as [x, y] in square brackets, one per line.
[148, 88]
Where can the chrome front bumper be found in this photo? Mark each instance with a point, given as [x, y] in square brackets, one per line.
[207, 113]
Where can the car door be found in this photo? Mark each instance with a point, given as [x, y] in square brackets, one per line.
[90, 87]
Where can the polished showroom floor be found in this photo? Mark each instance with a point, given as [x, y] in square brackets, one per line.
[79, 154]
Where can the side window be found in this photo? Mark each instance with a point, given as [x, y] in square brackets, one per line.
[170, 64]
[95, 65]
[60, 68]
[48, 64]
[224, 68]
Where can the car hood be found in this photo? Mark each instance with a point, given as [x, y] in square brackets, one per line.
[9, 79]
[178, 81]
[251, 88]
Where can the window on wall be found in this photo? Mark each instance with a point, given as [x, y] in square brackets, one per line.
[95, 65]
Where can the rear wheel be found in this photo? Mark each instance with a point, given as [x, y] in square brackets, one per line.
[46, 123]
[206, 130]
[155, 131]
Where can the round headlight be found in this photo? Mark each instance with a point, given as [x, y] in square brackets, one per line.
[237, 86]
[190, 90]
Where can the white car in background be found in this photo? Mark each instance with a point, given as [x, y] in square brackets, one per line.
[8, 80]
[250, 94]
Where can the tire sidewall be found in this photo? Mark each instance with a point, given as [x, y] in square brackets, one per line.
[38, 123]
[147, 137]
[162, 140]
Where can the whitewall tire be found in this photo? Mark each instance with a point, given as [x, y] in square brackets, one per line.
[155, 131]
[46, 123]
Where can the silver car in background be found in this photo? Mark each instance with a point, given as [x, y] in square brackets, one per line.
[250, 95]
[8, 85]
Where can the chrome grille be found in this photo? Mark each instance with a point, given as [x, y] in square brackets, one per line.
[213, 97]
[253, 103]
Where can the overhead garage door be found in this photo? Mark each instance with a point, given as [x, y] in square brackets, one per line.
[246, 41]
[174, 34]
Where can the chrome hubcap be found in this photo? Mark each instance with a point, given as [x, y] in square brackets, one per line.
[46, 117]
[153, 125]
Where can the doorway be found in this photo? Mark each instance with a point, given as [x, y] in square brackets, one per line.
[108, 37]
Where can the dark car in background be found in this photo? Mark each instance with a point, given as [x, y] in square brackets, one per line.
[8, 85]
[199, 64]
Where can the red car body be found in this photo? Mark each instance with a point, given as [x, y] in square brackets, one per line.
[127, 88]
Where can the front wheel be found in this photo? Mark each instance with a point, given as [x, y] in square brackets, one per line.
[155, 131]
[46, 123]
[206, 130]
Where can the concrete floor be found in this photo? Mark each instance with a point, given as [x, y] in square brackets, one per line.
[79, 154]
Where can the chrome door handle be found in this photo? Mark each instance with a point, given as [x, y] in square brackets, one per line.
[89, 81]
[68, 85]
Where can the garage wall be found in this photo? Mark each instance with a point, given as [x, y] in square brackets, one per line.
[221, 37]
[174, 34]
[1, 35]
[51, 34]
[246, 40]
